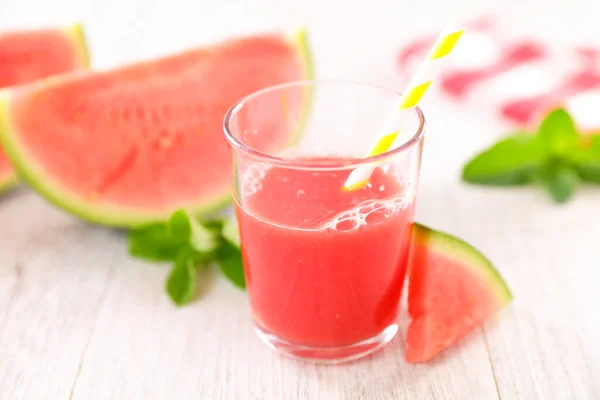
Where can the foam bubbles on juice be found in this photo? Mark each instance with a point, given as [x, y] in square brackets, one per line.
[370, 212]
[252, 180]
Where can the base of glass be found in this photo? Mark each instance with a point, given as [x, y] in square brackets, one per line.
[328, 355]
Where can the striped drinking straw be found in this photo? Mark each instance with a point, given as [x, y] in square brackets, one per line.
[416, 89]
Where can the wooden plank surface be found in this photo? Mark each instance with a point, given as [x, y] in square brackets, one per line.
[79, 319]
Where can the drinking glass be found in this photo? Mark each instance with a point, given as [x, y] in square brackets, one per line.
[324, 265]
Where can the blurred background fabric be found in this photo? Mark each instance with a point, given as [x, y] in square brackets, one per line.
[516, 77]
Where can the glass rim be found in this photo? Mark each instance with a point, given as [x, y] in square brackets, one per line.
[343, 163]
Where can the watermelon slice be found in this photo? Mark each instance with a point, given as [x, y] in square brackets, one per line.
[26, 56]
[452, 289]
[126, 147]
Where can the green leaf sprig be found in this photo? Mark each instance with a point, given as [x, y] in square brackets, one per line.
[556, 157]
[189, 245]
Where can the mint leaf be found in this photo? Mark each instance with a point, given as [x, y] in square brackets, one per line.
[183, 227]
[589, 172]
[215, 225]
[557, 123]
[181, 282]
[558, 133]
[203, 258]
[230, 231]
[557, 157]
[191, 245]
[560, 181]
[512, 161]
[230, 263]
[152, 242]
[586, 159]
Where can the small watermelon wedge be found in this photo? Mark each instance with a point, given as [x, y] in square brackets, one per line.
[26, 56]
[452, 289]
[127, 147]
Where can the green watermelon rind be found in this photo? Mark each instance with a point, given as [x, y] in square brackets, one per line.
[76, 34]
[466, 255]
[34, 174]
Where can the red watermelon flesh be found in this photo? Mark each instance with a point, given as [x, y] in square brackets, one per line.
[26, 56]
[128, 146]
[452, 289]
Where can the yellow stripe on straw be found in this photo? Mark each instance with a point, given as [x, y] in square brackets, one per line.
[411, 98]
[382, 144]
[445, 46]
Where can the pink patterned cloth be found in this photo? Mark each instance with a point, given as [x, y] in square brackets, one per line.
[518, 79]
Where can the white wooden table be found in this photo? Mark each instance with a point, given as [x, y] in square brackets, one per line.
[80, 319]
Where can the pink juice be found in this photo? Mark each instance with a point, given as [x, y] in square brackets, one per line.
[324, 267]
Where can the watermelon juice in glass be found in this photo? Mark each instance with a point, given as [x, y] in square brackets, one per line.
[324, 266]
